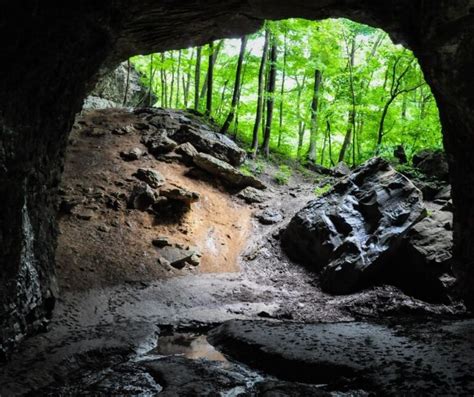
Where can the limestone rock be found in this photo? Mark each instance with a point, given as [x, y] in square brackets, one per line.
[179, 194]
[422, 263]
[226, 172]
[251, 195]
[150, 177]
[187, 150]
[350, 232]
[178, 256]
[158, 142]
[142, 197]
[341, 169]
[269, 216]
[432, 163]
[211, 142]
[132, 155]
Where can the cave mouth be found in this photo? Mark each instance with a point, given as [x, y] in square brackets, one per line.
[88, 38]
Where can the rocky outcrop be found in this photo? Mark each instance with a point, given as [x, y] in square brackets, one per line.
[151, 177]
[120, 88]
[251, 195]
[432, 163]
[226, 172]
[350, 232]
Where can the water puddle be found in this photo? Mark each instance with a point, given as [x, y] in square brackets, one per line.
[190, 345]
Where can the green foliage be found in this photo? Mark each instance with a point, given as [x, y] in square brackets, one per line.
[283, 175]
[322, 190]
[364, 87]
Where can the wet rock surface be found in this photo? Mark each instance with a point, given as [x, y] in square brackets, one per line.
[392, 360]
[350, 232]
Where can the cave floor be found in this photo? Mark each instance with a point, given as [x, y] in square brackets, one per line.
[104, 337]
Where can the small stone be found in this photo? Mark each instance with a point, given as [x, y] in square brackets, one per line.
[251, 195]
[150, 176]
[104, 228]
[194, 260]
[132, 155]
[180, 194]
[161, 242]
[269, 216]
[142, 197]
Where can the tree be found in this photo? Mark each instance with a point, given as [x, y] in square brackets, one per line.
[261, 77]
[282, 89]
[236, 93]
[270, 98]
[197, 78]
[210, 80]
[312, 155]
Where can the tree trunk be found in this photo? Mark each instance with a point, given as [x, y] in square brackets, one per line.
[178, 76]
[172, 80]
[261, 76]
[236, 93]
[348, 136]
[197, 78]
[127, 83]
[282, 89]
[205, 84]
[164, 87]
[150, 84]
[312, 155]
[270, 98]
[210, 80]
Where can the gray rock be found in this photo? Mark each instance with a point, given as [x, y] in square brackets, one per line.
[422, 263]
[211, 142]
[110, 90]
[158, 142]
[432, 163]
[251, 195]
[177, 256]
[226, 172]
[187, 150]
[179, 194]
[150, 177]
[406, 360]
[341, 169]
[142, 197]
[132, 155]
[350, 232]
[269, 216]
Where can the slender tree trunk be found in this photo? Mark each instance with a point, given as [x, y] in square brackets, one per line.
[210, 80]
[164, 88]
[172, 80]
[205, 84]
[236, 93]
[261, 77]
[178, 76]
[197, 78]
[221, 103]
[270, 98]
[301, 123]
[328, 129]
[351, 120]
[127, 83]
[312, 152]
[150, 86]
[282, 90]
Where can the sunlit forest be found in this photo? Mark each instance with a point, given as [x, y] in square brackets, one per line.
[320, 92]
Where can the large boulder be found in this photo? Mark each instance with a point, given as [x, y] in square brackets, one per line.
[432, 163]
[211, 142]
[422, 263]
[351, 232]
[225, 171]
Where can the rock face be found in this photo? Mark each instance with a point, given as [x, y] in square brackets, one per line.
[375, 358]
[120, 88]
[422, 265]
[86, 39]
[432, 163]
[225, 171]
[350, 232]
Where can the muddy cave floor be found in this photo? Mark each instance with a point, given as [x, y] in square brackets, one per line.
[146, 334]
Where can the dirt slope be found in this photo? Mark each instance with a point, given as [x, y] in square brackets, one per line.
[101, 246]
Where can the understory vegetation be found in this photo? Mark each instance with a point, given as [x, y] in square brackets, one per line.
[320, 92]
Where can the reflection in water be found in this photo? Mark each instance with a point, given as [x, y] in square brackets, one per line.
[189, 345]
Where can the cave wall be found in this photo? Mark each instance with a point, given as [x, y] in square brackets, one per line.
[55, 52]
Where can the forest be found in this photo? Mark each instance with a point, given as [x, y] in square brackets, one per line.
[320, 92]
